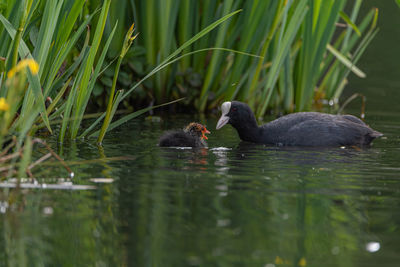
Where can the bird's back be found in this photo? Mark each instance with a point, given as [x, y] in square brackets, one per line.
[318, 129]
[179, 138]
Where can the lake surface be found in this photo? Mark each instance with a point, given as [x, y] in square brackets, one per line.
[232, 204]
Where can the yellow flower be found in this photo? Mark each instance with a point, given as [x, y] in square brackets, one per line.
[278, 260]
[30, 63]
[302, 262]
[3, 104]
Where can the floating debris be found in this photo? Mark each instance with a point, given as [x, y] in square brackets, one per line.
[220, 149]
[61, 186]
[102, 180]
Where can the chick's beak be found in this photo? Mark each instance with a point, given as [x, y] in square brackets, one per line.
[204, 132]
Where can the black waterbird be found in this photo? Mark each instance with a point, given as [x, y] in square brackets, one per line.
[193, 135]
[297, 129]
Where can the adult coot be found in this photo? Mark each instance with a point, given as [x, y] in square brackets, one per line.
[193, 135]
[297, 129]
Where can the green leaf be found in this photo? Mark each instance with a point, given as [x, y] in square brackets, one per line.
[349, 22]
[71, 100]
[63, 53]
[58, 97]
[26, 157]
[132, 116]
[342, 58]
[86, 84]
[278, 60]
[2, 65]
[33, 79]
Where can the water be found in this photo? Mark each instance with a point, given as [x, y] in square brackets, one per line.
[233, 204]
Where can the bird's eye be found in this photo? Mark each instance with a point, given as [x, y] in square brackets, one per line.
[234, 109]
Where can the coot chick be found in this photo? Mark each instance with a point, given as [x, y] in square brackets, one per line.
[193, 135]
[297, 129]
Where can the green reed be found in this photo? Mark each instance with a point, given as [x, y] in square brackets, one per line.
[302, 61]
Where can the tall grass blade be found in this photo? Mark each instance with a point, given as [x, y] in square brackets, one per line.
[58, 97]
[26, 157]
[113, 104]
[349, 22]
[71, 99]
[33, 79]
[64, 50]
[345, 61]
[185, 45]
[215, 60]
[84, 90]
[133, 115]
[290, 33]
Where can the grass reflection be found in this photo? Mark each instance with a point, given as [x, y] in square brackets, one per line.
[43, 228]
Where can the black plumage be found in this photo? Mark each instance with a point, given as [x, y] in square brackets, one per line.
[193, 135]
[298, 129]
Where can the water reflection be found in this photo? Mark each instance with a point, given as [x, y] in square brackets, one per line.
[195, 158]
[232, 204]
[229, 204]
[43, 228]
[270, 205]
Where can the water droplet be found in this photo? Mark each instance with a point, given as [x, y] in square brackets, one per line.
[96, 233]
[223, 194]
[372, 246]
[335, 250]
[194, 260]
[3, 206]
[223, 222]
[48, 210]
[221, 187]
